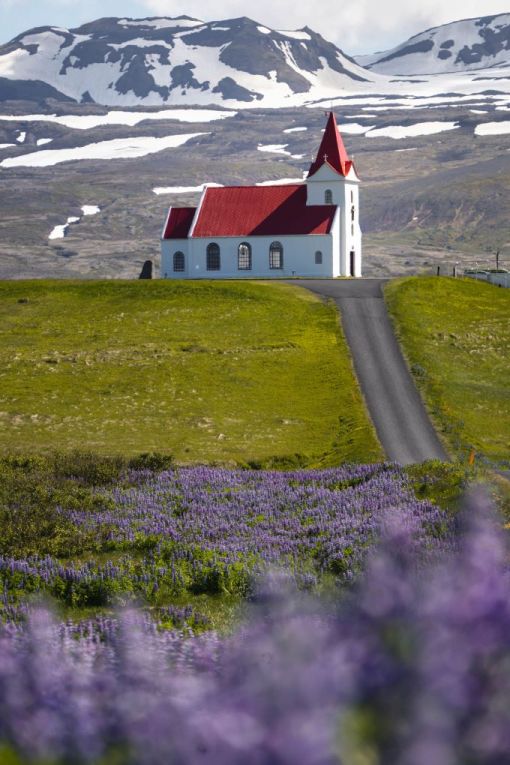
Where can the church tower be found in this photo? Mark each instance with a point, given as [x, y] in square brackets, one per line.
[332, 180]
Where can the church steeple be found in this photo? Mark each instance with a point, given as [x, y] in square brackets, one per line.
[332, 150]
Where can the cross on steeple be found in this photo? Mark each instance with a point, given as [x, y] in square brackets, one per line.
[325, 158]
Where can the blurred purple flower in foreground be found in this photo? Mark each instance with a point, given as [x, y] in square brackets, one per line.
[411, 667]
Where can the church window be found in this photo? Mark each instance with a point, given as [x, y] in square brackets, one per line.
[318, 258]
[276, 255]
[179, 261]
[213, 257]
[328, 197]
[244, 257]
[353, 213]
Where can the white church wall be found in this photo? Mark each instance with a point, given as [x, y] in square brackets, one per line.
[336, 240]
[352, 231]
[168, 248]
[299, 256]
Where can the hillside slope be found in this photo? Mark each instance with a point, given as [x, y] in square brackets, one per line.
[459, 46]
[456, 333]
[208, 372]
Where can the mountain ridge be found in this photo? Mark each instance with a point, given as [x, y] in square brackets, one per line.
[468, 44]
[117, 61]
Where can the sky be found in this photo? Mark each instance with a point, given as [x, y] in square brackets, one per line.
[356, 26]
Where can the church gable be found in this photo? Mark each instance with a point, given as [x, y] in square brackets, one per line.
[178, 222]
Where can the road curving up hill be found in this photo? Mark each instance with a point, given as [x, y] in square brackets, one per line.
[394, 404]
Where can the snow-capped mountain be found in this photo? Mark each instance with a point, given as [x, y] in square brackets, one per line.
[462, 45]
[180, 60]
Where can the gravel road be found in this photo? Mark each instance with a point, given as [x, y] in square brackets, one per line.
[395, 406]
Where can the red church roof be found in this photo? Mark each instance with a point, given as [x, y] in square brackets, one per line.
[332, 150]
[179, 222]
[261, 211]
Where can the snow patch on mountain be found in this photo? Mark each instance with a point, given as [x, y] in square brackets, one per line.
[297, 35]
[282, 181]
[184, 189]
[398, 132]
[354, 128]
[162, 23]
[118, 148]
[59, 232]
[274, 148]
[90, 210]
[89, 121]
[493, 128]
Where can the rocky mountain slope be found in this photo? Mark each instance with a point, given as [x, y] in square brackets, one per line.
[462, 45]
[181, 60]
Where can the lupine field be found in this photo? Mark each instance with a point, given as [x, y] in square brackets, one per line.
[407, 661]
[203, 615]
[159, 538]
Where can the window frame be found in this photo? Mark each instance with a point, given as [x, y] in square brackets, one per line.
[213, 257]
[318, 257]
[179, 254]
[328, 197]
[276, 251]
[244, 259]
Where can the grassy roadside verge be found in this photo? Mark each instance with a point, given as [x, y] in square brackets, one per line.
[223, 372]
[456, 337]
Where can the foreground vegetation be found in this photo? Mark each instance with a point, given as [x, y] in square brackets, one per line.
[410, 658]
[456, 335]
[207, 371]
[94, 532]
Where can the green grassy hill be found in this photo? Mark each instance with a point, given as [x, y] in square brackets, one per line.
[456, 335]
[222, 371]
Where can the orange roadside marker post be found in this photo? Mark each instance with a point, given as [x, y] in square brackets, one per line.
[472, 457]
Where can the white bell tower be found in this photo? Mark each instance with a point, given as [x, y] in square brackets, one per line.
[332, 180]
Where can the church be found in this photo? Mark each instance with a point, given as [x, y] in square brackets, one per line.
[298, 229]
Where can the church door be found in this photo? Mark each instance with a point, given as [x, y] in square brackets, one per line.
[351, 264]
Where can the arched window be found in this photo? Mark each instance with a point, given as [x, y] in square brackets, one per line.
[318, 258]
[244, 257]
[213, 257]
[276, 255]
[353, 212]
[179, 261]
[328, 197]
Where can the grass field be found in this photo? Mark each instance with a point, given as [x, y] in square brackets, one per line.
[456, 335]
[208, 372]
